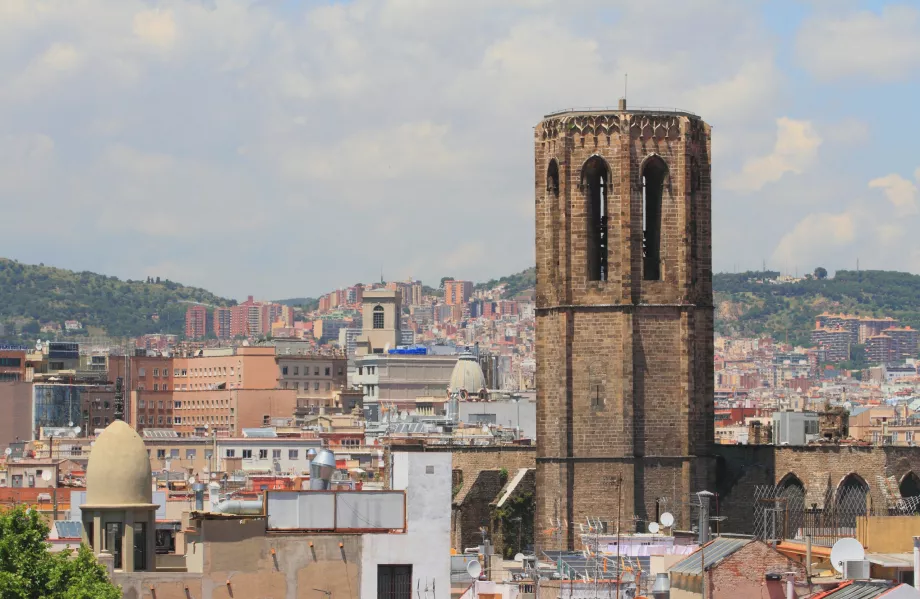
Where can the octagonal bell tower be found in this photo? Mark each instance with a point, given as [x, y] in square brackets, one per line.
[624, 318]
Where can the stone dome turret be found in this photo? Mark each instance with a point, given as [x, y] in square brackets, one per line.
[118, 473]
[467, 375]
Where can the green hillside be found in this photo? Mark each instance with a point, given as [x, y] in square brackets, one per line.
[31, 295]
[753, 303]
[748, 303]
[518, 282]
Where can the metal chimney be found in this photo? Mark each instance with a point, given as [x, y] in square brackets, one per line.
[703, 521]
[198, 488]
[662, 587]
[321, 469]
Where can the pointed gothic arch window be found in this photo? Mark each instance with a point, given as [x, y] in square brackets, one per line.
[654, 173]
[595, 179]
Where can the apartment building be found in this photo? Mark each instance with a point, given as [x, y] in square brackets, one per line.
[196, 321]
[12, 363]
[903, 342]
[315, 378]
[222, 323]
[457, 292]
[836, 341]
[229, 411]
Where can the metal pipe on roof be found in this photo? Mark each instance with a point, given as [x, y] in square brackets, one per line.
[240, 507]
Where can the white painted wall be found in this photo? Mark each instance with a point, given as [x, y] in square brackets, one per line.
[426, 544]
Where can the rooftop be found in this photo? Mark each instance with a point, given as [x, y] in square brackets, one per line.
[616, 110]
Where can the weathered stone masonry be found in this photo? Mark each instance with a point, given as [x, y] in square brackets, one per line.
[624, 316]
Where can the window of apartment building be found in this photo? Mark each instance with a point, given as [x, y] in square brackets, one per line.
[292, 454]
[156, 387]
[174, 454]
[316, 371]
[231, 453]
[909, 436]
[169, 421]
[184, 372]
[328, 371]
[276, 454]
[160, 404]
[394, 581]
[106, 421]
[159, 420]
[177, 420]
[161, 454]
[165, 387]
[360, 370]
[177, 404]
[141, 404]
[284, 370]
[284, 385]
[316, 386]
[189, 454]
[894, 436]
[378, 317]
[297, 371]
[141, 372]
[247, 454]
[266, 420]
[263, 454]
[340, 371]
[208, 454]
[175, 372]
[231, 371]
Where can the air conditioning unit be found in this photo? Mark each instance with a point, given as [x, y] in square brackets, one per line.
[856, 570]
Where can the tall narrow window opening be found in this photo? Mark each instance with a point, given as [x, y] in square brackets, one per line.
[552, 187]
[595, 178]
[378, 317]
[653, 176]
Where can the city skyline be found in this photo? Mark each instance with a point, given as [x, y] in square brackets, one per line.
[355, 132]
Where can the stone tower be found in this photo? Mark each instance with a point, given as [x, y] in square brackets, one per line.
[624, 318]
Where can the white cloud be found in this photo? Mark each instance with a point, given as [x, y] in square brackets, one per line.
[878, 46]
[900, 192]
[241, 131]
[795, 150]
[155, 27]
[815, 239]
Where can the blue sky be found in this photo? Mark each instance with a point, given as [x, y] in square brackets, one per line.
[286, 147]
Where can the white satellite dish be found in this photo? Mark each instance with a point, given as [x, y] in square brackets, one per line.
[70, 424]
[474, 569]
[846, 550]
[8, 451]
[404, 416]
[191, 480]
[77, 429]
[653, 527]
[667, 519]
[46, 475]
[519, 557]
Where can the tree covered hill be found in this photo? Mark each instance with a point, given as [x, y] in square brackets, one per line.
[754, 303]
[758, 303]
[34, 294]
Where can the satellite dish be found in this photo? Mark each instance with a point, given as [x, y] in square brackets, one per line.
[77, 429]
[8, 450]
[70, 424]
[667, 519]
[846, 550]
[46, 475]
[519, 557]
[653, 527]
[474, 569]
[404, 416]
[191, 480]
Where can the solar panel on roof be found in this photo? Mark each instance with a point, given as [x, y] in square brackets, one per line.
[68, 529]
[713, 553]
[260, 433]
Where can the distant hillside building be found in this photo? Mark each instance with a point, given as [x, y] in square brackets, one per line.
[196, 320]
[222, 320]
[457, 292]
[836, 341]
